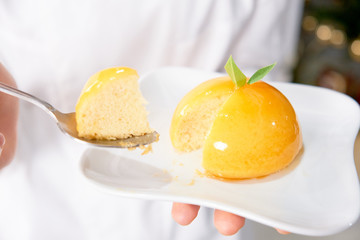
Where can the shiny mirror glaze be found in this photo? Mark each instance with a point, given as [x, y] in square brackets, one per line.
[255, 133]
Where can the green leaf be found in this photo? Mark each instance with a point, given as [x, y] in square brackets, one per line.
[234, 72]
[259, 74]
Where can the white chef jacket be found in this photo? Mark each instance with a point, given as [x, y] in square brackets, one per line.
[52, 47]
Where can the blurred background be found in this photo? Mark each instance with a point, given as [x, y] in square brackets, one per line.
[329, 49]
[329, 46]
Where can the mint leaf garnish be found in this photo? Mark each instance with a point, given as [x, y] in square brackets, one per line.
[234, 72]
[259, 74]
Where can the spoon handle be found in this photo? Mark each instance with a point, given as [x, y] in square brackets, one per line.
[28, 97]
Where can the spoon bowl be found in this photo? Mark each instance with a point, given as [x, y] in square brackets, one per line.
[67, 123]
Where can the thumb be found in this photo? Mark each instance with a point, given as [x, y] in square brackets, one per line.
[2, 142]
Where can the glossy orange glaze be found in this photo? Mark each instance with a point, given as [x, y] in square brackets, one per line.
[255, 133]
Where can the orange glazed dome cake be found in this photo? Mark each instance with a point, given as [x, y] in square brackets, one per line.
[111, 106]
[245, 127]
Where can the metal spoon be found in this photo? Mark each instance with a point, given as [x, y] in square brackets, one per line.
[67, 124]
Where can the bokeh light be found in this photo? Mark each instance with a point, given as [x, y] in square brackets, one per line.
[324, 32]
[338, 37]
[309, 23]
[355, 48]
